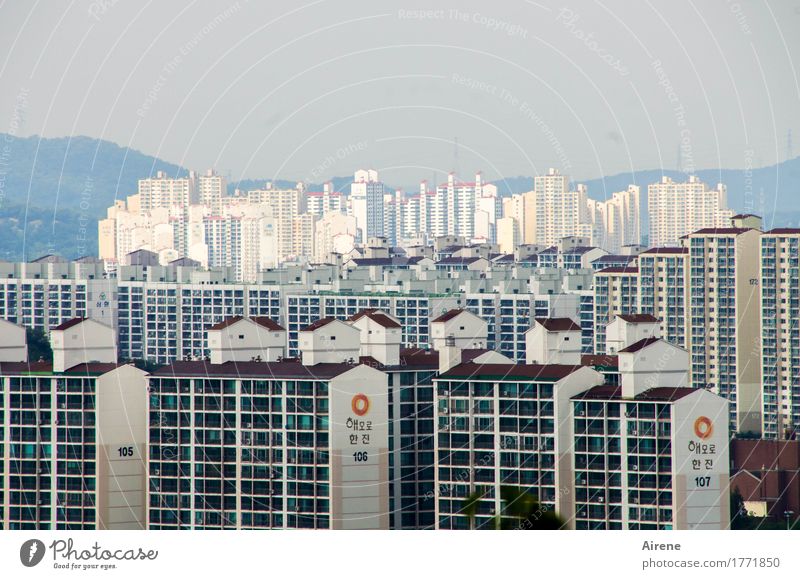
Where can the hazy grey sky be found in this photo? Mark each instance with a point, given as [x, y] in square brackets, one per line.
[308, 90]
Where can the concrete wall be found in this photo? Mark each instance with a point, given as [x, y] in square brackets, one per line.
[122, 414]
[701, 480]
[378, 341]
[88, 341]
[13, 343]
[244, 340]
[467, 329]
[545, 347]
[658, 365]
[334, 342]
[359, 434]
[621, 334]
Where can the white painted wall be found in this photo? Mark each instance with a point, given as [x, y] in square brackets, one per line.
[334, 342]
[122, 413]
[467, 329]
[660, 364]
[88, 341]
[621, 334]
[13, 343]
[244, 340]
[700, 466]
[545, 347]
[378, 341]
[360, 466]
[578, 381]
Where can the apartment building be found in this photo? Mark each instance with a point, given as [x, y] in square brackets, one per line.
[166, 321]
[556, 211]
[498, 424]
[415, 312]
[634, 448]
[163, 191]
[615, 293]
[268, 445]
[211, 189]
[366, 204]
[271, 445]
[616, 220]
[664, 291]
[725, 317]
[649, 452]
[320, 203]
[780, 332]
[640, 464]
[50, 291]
[678, 209]
[73, 436]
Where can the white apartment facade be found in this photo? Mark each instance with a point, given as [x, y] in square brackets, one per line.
[678, 209]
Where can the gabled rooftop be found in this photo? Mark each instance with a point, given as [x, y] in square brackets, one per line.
[447, 316]
[640, 345]
[675, 250]
[263, 321]
[69, 323]
[607, 392]
[46, 369]
[376, 316]
[559, 324]
[630, 270]
[542, 372]
[603, 360]
[638, 318]
[321, 323]
[285, 369]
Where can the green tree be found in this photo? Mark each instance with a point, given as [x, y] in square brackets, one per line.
[520, 511]
[38, 346]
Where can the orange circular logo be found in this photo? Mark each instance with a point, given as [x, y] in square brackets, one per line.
[703, 427]
[360, 404]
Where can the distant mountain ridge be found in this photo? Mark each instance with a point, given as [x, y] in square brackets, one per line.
[53, 190]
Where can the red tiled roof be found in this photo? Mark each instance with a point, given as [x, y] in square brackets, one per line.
[719, 231]
[614, 258]
[619, 270]
[605, 392]
[640, 345]
[458, 260]
[579, 249]
[448, 315]
[376, 316]
[260, 320]
[662, 394]
[600, 360]
[558, 324]
[667, 250]
[318, 324]
[268, 323]
[69, 323]
[665, 393]
[90, 369]
[549, 372]
[283, 369]
[638, 318]
[419, 357]
[226, 322]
